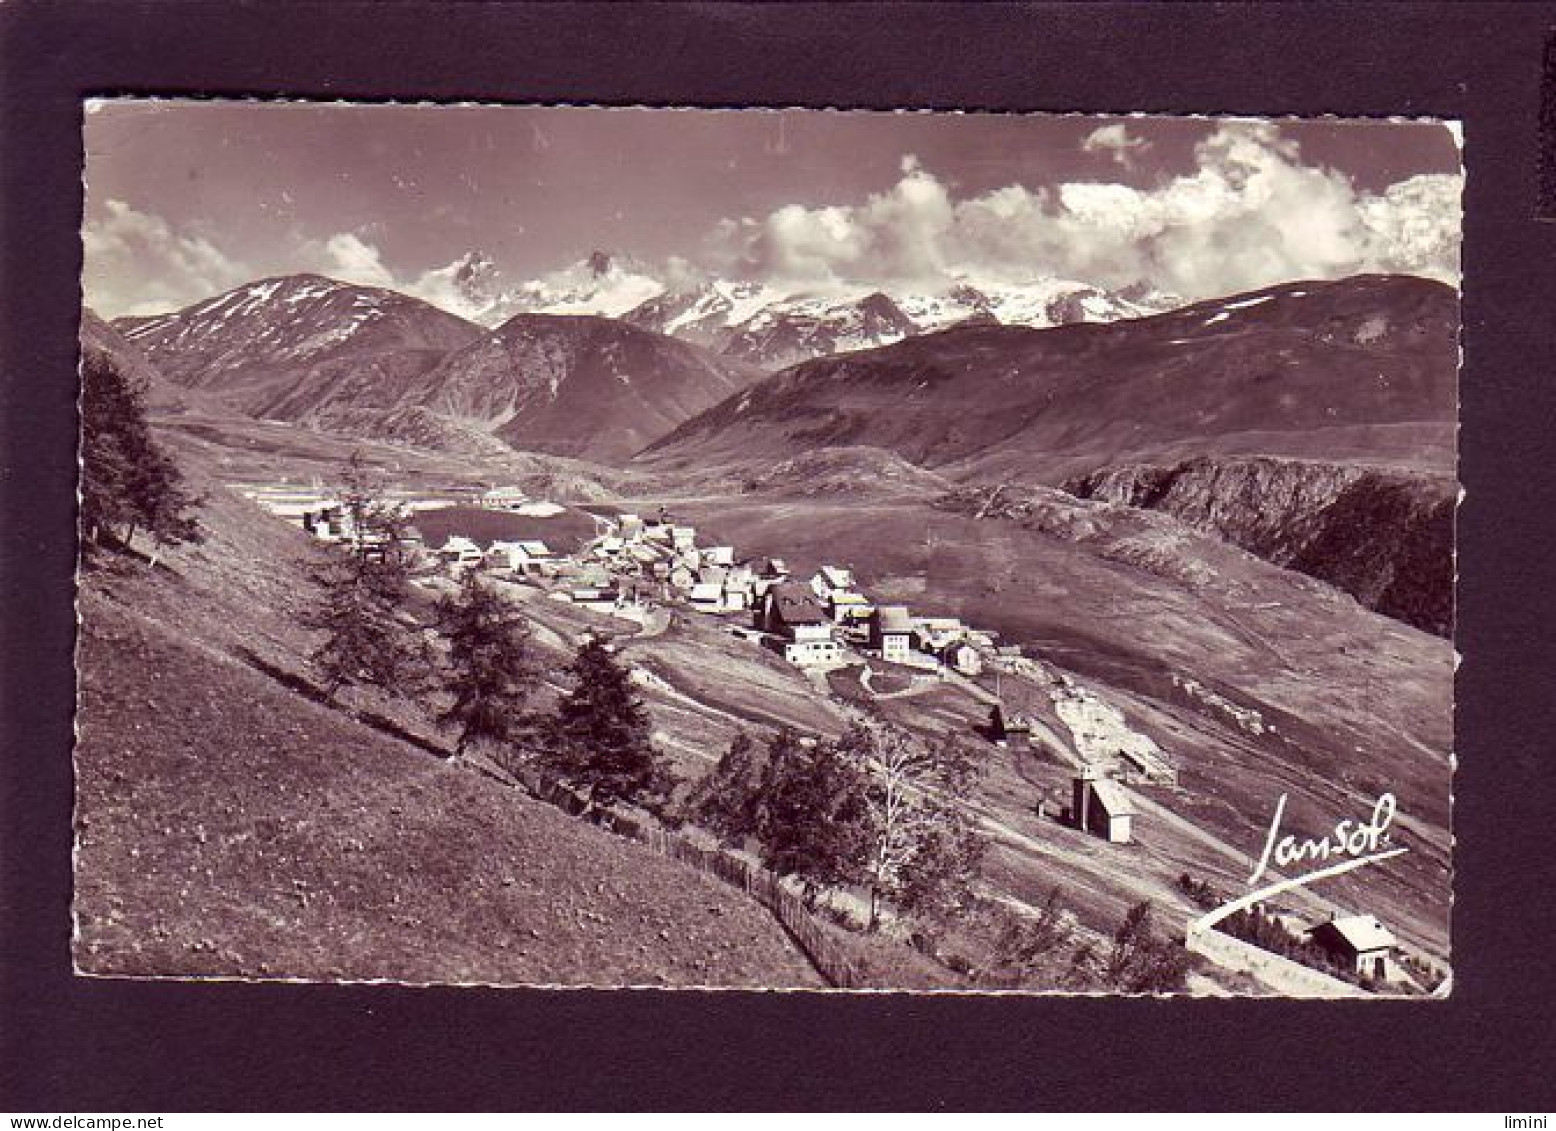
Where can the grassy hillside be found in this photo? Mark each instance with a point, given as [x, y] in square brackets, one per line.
[1349, 703]
[230, 826]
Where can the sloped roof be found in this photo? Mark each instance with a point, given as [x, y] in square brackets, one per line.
[797, 604]
[1362, 932]
[1115, 802]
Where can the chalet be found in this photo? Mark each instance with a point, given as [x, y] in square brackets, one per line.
[1102, 807]
[504, 499]
[707, 592]
[935, 633]
[891, 632]
[773, 569]
[643, 557]
[460, 551]
[530, 559]
[802, 629]
[830, 580]
[739, 592]
[1359, 942]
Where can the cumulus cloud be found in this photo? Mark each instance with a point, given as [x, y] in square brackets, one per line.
[1116, 141]
[1250, 214]
[345, 256]
[900, 234]
[136, 263]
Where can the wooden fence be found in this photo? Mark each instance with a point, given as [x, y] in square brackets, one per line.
[761, 884]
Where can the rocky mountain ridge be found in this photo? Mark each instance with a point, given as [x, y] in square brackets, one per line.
[1382, 535]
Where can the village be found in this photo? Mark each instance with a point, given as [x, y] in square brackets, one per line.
[646, 569]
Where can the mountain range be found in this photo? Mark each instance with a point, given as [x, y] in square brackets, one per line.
[376, 363]
[774, 325]
[1365, 366]
[1359, 368]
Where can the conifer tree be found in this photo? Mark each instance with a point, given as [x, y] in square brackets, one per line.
[488, 673]
[600, 739]
[813, 817]
[128, 483]
[370, 637]
[726, 801]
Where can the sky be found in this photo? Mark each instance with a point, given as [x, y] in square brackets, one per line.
[187, 199]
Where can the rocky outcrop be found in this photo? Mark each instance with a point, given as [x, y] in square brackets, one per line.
[1384, 536]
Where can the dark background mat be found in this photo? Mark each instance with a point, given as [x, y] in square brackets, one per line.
[70, 1044]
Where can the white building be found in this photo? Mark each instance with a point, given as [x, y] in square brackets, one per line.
[460, 551]
[830, 580]
[504, 499]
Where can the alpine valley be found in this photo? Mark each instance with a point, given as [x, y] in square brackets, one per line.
[1221, 531]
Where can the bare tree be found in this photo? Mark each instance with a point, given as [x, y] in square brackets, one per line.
[924, 847]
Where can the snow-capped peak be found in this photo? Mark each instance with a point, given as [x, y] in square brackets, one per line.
[604, 283]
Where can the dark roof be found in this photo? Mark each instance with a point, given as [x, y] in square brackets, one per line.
[797, 604]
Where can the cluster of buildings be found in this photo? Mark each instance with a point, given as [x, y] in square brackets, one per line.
[635, 561]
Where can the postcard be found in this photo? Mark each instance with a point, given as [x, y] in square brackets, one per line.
[767, 549]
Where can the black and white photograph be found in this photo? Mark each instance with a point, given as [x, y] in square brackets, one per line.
[767, 549]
